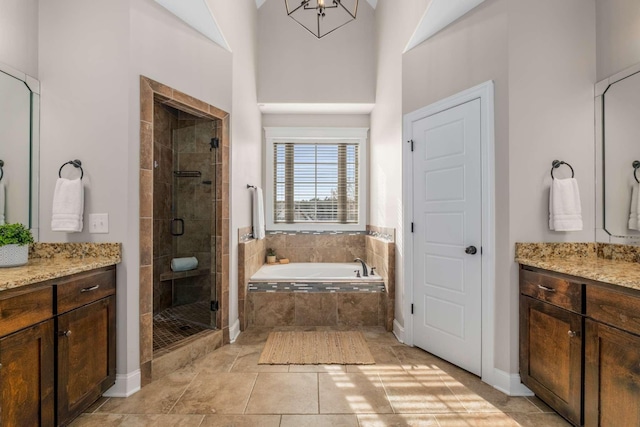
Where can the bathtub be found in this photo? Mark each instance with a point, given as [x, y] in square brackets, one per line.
[314, 277]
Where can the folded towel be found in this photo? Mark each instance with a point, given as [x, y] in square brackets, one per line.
[634, 212]
[2, 203]
[68, 205]
[258, 214]
[184, 264]
[565, 211]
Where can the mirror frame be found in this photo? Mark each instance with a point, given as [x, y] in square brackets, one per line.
[34, 152]
[602, 235]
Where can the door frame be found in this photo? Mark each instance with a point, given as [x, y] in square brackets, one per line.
[484, 92]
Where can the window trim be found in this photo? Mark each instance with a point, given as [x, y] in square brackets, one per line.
[311, 135]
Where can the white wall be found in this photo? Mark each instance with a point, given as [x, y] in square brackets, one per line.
[246, 130]
[294, 66]
[19, 35]
[91, 57]
[618, 35]
[544, 76]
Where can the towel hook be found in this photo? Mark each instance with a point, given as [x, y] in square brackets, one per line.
[635, 164]
[75, 163]
[251, 186]
[556, 164]
[1, 170]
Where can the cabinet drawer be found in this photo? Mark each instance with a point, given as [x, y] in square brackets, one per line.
[22, 308]
[85, 288]
[554, 290]
[614, 308]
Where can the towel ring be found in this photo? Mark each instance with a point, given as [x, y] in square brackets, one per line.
[557, 163]
[1, 170]
[635, 164]
[75, 163]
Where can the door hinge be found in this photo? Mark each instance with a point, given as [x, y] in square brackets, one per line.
[411, 142]
[411, 308]
[215, 306]
[412, 227]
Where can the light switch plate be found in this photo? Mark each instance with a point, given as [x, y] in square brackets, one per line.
[99, 223]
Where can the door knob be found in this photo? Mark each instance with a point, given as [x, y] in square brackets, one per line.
[471, 250]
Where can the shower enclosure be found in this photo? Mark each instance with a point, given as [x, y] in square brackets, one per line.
[185, 157]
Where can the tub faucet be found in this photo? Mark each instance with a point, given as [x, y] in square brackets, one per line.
[365, 272]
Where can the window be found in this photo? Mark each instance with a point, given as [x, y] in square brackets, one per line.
[315, 178]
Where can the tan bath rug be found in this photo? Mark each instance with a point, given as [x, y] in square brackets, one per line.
[316, 348]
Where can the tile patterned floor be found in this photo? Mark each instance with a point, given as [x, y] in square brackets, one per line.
[174, 324]
[407, 387]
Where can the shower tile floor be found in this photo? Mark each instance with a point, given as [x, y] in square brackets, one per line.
[407, 387]
[175, 324]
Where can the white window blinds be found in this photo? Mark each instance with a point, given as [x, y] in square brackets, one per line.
[315, 182]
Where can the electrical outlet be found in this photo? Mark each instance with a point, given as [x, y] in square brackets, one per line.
[99, 223]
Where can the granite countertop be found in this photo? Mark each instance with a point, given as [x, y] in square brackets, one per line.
[52, 260]
[607, 263]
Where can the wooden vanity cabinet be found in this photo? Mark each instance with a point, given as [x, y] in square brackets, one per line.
[57, 348]
[551, 330]
[86, 341]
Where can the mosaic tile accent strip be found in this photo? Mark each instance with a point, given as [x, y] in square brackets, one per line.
[317, 287]
[384, 233]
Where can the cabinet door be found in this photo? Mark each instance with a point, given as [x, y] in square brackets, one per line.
[612, 377]
[551, 355]
[86, 356]
[26, 377]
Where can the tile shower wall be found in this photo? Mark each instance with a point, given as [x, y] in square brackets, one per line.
[164, 122]
[194, 203]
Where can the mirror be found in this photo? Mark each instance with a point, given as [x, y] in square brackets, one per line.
[19, 147]
[619, 131]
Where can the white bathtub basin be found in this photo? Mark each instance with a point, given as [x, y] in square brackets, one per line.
[312, 271]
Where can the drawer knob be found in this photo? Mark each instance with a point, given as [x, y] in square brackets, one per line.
[65, 333]
[546, 289]
[92, 288]
[573, 334]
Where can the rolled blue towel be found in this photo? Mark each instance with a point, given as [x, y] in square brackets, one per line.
[184, 264]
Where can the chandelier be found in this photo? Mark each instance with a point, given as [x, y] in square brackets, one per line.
[321, 17]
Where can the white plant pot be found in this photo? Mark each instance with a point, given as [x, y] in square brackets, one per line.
[14, 255]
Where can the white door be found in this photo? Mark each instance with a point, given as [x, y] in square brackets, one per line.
[447, 221]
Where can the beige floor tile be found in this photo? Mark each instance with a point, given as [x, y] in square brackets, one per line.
[253, 336]
[156, 398]
[247, 361]
[397, 420]
[476, 420]
[284, 393]
[163, 420]
[218, 393]
[539, 420]
[379, 336]
[344, 393]
[220, 360]
[540, 404]
[241, 421]
[317, 368]
[319, 421]
[408, 394]
[477, 396]
[98, 420]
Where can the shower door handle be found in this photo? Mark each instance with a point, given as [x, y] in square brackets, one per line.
[177, 226]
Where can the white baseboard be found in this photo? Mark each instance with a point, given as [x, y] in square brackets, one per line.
[509, 384]
[126, 385]
[234, 330]
[398, 331]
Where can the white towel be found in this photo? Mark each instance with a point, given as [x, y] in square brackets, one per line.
[634, 212]
[565, 211]
[2, 203]
[258, 214]
[68, 205]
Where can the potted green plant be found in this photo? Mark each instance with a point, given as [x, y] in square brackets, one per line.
[14, 245]
[271, 256]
